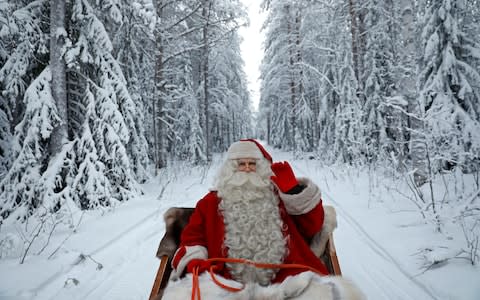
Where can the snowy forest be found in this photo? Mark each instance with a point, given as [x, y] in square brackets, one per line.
[96, 97]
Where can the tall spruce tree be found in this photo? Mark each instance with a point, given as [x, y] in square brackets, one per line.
[448, 85]
[90, 166]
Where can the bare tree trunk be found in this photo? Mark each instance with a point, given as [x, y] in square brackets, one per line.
[59, 135]
[293, 95]
[269, 129]
[299, 68]
[159, 100]
[418, 147]
[155, 133]
[357, 28]
[233, 132]
[361, 45]
[354, 30]
[205, 51]
[415, 135]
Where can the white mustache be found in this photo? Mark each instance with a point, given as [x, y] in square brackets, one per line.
[241, 178]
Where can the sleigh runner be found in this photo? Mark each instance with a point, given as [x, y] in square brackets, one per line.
[176, 218]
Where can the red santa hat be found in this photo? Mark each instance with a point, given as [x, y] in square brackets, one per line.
[247, 148]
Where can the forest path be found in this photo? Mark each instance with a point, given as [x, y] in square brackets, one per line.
[128, 254]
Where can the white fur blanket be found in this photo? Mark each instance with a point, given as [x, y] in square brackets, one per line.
[306, 285]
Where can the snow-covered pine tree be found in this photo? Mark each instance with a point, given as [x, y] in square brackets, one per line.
[306, 58]
[90, 58]
[23, 53]
[339, 112]
[348, 139]
[21, 190]
[375, 78]
[398, 61]
[188, 142]
[321, 86]
[317, 64]
[231, 109]
[89, 185]
[130, 45]
[448, 85]
[92, 168]
[277, 72]
[187, 139]
[174, 105]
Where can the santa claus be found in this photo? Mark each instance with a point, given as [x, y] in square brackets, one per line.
[259, 212]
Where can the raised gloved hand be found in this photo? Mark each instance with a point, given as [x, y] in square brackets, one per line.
[202, 265]
[284, 178]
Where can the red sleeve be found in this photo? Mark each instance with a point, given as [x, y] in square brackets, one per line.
[311, 222]
[194, 232]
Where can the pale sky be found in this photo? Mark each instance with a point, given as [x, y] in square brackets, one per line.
[252, 50]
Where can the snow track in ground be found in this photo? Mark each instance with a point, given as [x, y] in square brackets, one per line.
[120, 277]
[370, 265]
[127, 257]
[138, 239]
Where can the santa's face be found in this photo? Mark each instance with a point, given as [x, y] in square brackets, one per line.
[253, 226]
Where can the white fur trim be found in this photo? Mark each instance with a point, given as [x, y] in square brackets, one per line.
[303, 202]
[244, 149]
[182, 289]
[319, 240]
[306, 285]
[192, 252]
[341, 288]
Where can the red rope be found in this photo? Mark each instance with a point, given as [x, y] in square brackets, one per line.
[196, 285]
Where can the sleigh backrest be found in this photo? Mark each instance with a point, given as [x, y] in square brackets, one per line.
[176, 218]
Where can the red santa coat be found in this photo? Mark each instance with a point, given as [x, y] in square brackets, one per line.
[206, 228]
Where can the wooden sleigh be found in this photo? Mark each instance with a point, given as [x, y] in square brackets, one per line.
[176, 218]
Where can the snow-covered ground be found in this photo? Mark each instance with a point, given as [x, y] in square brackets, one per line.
[380, 242]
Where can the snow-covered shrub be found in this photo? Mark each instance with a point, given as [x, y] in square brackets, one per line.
[11, 246]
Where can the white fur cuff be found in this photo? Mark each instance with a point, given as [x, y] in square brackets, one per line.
[320, 239]
[304, 201]
[192, 252]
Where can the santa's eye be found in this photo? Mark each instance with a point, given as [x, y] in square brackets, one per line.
[247, 163]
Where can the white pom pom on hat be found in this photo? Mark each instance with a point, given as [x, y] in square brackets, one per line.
[247, 148]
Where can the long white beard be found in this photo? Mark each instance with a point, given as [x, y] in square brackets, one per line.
[253, 226]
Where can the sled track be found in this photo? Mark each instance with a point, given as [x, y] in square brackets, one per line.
[105, 288]
[371, 243]
[96, 285]
[127, 233]
[377, 248]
